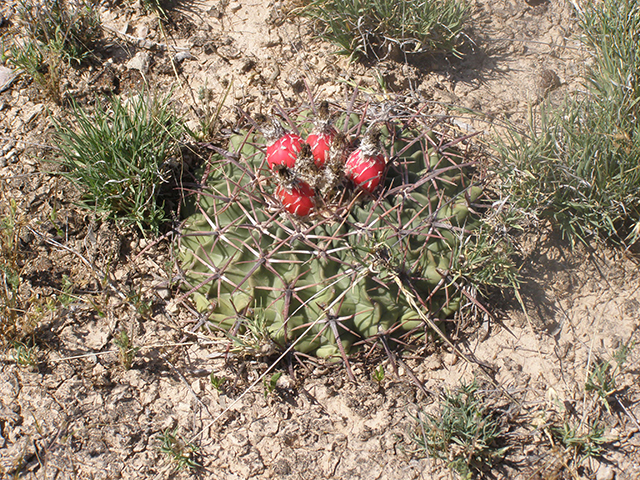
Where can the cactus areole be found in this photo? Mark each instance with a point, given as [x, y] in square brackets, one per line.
[298, 254]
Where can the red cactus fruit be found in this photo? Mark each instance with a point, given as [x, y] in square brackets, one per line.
[297, 199]
[284, 150]
[366, 164]
[322, 135]
[320, 145]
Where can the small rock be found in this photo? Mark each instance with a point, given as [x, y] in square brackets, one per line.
[228, 52]
[142, 31]
[548, 81]
[450, 358]
[237, 439]
[246, 65]
[605, 472]
[164, 293]
[140, 61]
[168, 423]
[197, 387]
[7, 76]
[216, 12]
[182, 56]
[120, 274]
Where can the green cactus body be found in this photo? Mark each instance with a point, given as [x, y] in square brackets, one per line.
[337, 271]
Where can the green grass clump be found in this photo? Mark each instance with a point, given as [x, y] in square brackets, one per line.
[119, 157]
[70, 29]
[581, 441]
[54, 33]
[375, 28]
[580, 165]
[465, 433]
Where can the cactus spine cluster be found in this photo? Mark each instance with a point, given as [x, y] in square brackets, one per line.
[330, 279]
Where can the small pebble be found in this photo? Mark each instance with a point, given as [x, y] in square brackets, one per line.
[7, 76]
[605, 472]
[450, 358]
[140, 61]
[164, 293]
[181, 56]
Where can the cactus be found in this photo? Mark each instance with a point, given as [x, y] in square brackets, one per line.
[330, 281]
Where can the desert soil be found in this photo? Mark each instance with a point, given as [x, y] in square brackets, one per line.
[80, 414]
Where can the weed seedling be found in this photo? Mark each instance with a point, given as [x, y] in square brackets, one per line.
[126, 351]
[255, 340]
[217, 382]
[179, 452]
[25, 354]
[142, 305]
[11, 259]
[465, 434]
[66, 298]
[581, 444]
[602, 377]
[209, 113]
[271, 383]
[378, 374]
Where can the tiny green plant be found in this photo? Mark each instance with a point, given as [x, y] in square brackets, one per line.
[209, 112]
[602, 377]
[159, 7]
[66, 297]
[126, 350]
[271, 383]
[120, 157]
[602, 381]
[377, 28]
[255, 340]
[217, 382]
[140, 303]
[378, 374]
[465, 434]
[53, 216]
[177, 450]
[11, 259]
[581, 441]
[25, 354]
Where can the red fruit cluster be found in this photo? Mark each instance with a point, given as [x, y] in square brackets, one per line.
[305, 172]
